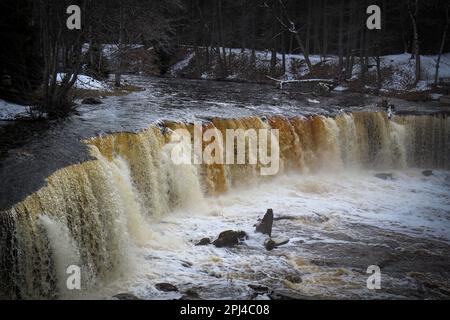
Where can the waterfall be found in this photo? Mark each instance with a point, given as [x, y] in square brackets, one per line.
[95, 214]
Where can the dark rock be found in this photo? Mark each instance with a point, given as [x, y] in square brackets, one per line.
[166, 287]
[229, 238]
[186, 264]
[271, 244]
[242, 235]
[289, 295]
[384, 176]
[427, 173]
[258, 288]
[91, 100]
[126, 296]
[203, 242]
[190, 294]
[265, 226]
[383, 104]
[285, 218]
[280, 242]
[294, 278]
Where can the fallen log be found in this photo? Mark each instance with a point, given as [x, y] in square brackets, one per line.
[281, 83]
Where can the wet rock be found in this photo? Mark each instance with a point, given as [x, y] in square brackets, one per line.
[271, 244]
[166, 287]
[324, 263]
[91, 100]
[265, 226]
[280, 294]
[258, 288]
[186, 264]
[203, 242]
[383, 104]
[229, 238]
[280, 242]
[190, 294]
[427, 173]
[285, 218]
[385, 176]
[242, 235]
[294, 278]
[126, 296]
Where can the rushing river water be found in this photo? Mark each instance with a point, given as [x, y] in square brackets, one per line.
[98, 190]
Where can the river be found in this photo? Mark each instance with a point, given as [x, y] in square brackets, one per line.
[97, 190]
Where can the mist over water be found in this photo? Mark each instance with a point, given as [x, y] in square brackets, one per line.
[130, 217]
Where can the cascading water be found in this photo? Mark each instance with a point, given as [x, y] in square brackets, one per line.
[95, 214]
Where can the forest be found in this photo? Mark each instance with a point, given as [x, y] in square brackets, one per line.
[40, 46]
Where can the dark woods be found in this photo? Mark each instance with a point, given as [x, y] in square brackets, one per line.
[36, 44]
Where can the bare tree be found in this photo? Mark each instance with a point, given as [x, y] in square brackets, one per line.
[441, 49]
[413, 14]
[61, 50]
[290, 26]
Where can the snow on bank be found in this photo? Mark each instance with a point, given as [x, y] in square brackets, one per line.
[12, 111]
[398, 69]
[181, 64]
[403, 71]
[86, 82]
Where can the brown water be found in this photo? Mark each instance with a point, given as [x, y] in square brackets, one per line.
[112, 203]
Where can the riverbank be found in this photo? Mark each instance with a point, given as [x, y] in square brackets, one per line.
[396, 71]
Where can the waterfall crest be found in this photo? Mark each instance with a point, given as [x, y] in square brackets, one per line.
[95, 213]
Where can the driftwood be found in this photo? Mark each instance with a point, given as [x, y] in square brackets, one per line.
[327, 82]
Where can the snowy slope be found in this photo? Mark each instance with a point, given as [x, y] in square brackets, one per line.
[399, 68]
[11, 111]
[86, 82]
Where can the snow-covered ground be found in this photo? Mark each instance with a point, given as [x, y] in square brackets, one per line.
[400, 67]
[11, 111]
[86, 82]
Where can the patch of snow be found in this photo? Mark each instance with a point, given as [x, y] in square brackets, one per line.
[86, 82]
[340, 88]
[313, 101]
[401, 75]
[181, 64]
[12, 111]
[435, 96]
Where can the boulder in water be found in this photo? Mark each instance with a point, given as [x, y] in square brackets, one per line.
[282, 294]
[203, 242]
[91, 100]
[294, 278]
[229, 238]
[271, 244]
[190, 294]
[385, 176]
[427, 173]
[126, 296]
[166, 287]
[258, 288]
[265, 226]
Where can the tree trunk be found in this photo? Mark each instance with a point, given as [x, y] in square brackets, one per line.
[118, 74]
[341, 35]
[308, 27]
[325, 30]
[379, 79]
[441, 49]
[416, 50]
